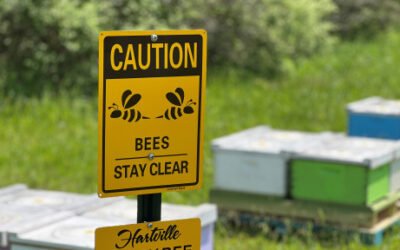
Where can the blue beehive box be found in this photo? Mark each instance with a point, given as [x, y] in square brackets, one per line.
[374, 117]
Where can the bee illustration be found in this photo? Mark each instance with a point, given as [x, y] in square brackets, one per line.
[177, 99]
[128, 113]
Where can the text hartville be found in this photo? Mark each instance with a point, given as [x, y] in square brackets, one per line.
[130, 239]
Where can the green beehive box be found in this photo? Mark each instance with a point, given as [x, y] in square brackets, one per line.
[345, 170]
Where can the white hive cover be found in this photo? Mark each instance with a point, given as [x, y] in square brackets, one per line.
[266, 140]
[17, 219]
[74, 231]
[375, 105]
[368, 152]
[20, 218]
[12, 189]
[206, 212]
[56, 200]
[125, 212]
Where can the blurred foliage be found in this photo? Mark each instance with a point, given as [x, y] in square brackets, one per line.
[53, 44]
[48, 44]
[365, 18]
[258, 35]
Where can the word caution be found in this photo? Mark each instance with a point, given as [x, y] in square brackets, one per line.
[134, 56]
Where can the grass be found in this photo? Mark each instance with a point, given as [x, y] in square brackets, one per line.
[51, 142]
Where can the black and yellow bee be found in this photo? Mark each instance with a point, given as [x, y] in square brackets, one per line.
[178, 110]
[128, 113]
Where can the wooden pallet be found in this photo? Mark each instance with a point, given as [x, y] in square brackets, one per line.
[283, 226]
[318, 212]
[283, 215]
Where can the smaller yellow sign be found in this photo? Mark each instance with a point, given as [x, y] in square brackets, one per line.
[161, 235]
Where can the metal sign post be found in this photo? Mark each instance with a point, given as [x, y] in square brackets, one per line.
[149, 208]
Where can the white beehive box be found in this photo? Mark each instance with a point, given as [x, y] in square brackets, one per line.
[55, 200]
[20, 219]
[74, 233]
[12, 189]
[78, 232]
[254, 161]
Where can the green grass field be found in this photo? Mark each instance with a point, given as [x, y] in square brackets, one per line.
[51, 142]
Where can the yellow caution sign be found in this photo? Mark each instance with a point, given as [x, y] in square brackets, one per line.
[151, 110]
[168, 235]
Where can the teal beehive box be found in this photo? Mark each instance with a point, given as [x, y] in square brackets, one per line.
[374, 117]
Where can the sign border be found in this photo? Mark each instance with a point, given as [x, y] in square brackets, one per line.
[102, 191]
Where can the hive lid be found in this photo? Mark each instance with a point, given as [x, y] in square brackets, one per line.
[206, 212]
[74, 231]
[366, 152]
[375, 105]
[266, 140]
[16, 219]
[55, 200]
[20, 219]
[12, 189]
[125, 212]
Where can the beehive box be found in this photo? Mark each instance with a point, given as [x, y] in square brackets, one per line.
[12, 189]
[344, 170]
[20, 219]
[78, 232]
[395, 177]
[374, 117]
[54, 200]
[253, 161]
[73, 233]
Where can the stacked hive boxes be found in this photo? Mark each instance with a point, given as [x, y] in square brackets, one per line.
[254, 161]
[376, 117]
[341, 175]
[40, 219]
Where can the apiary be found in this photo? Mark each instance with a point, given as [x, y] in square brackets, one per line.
[78, 232]
[54, 200]
[344, 170]
[254, 161]
[20, 219]
[374, 117]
